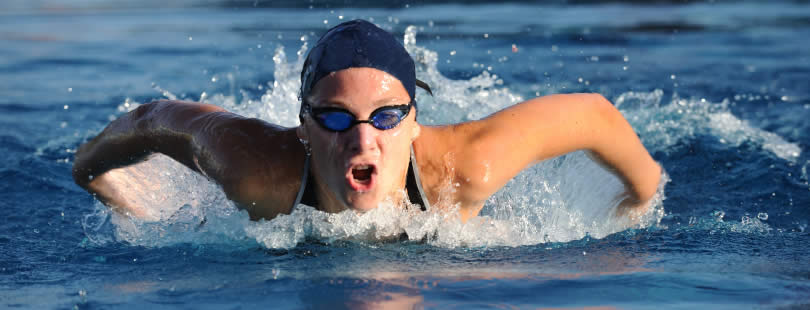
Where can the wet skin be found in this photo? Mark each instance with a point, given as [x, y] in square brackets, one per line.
[260, 165]
[338, 158]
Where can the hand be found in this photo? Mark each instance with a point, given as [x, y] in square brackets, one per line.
[140, 190]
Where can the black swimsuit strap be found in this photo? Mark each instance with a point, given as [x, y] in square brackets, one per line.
[413, 184]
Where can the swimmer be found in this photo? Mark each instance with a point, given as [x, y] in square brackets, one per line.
[359, 144]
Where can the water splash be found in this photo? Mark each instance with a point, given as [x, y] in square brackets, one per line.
[663, 126]
[472, 99]
[556, 201]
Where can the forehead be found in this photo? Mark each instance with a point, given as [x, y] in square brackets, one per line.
[358, 86]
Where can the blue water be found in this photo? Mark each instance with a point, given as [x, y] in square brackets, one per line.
[718, 93]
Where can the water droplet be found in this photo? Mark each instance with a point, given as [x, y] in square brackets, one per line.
[762, 216]
[719, 215]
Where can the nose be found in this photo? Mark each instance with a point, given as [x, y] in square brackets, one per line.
[362, 138]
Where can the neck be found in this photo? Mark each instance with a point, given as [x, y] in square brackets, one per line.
[327, 201]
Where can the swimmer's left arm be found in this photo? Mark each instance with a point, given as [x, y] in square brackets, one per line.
[495, 149]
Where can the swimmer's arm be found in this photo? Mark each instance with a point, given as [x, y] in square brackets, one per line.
[135, 135]
[498, 147]
[236, 152]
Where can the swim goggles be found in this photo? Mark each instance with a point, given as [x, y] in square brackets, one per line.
[339, 120]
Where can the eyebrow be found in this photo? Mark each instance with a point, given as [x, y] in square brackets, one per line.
[388, 100]
[376, 103]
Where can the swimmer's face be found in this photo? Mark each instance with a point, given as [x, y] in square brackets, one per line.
[362, 166]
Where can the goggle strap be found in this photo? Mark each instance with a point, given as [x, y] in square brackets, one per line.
[424, 86]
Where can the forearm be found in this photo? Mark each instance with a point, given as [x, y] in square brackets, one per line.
[161, 126]
[617, 147]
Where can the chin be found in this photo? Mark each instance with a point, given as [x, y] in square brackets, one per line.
[363, 202]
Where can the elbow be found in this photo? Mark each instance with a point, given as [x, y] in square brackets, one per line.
[602, 107]
[80, 171]
[79, 177]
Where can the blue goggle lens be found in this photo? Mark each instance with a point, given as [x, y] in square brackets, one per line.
[338, 120]
[387, 119]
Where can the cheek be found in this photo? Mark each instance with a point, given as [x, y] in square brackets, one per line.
[396, 148]
[325, 146]
[392, 141]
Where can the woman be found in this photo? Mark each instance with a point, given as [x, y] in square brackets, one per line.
[359, 143]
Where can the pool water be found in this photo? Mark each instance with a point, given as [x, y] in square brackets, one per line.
[717, 91]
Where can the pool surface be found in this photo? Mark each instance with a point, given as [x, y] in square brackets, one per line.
[718, 91]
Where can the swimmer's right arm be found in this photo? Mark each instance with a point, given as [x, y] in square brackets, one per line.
[243, 155]
[135, 135]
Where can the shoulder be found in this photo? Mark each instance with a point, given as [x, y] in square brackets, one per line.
[479, 157]
[258, 164]
[449, 167]
[263, 168]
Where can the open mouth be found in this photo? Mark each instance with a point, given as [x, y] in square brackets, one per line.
[361, 177]
[362, 174]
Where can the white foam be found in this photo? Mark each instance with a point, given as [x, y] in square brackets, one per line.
[662, 126]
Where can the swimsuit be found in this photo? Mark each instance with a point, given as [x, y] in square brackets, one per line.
[413, 184]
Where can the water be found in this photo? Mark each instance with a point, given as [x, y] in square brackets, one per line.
[716, 91]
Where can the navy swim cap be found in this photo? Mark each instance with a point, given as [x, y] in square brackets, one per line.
[358, 43]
